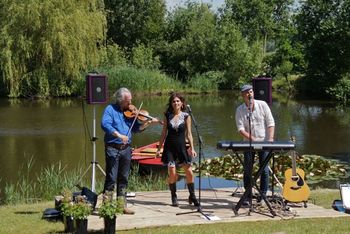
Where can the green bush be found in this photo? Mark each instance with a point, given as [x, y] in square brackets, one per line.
[206, 82]
[341, 90]
[81, 209]
[142, 57]
[112, 55]
[110, 207]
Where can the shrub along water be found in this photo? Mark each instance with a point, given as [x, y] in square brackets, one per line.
[148, 81]
[140, 80]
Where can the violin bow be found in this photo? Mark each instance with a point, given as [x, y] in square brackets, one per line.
[133, 122]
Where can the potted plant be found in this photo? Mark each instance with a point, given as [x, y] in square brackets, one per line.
[81, 210]
[108, 210]
[66, 208]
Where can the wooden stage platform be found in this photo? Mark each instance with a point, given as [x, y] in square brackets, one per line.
[153, 210]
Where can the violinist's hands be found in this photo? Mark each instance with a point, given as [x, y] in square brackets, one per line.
[124, 138]
[145, 124]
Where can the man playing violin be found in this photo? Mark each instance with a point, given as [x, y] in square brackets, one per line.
[118, 133]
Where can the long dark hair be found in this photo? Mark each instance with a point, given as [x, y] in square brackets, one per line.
[171, 98]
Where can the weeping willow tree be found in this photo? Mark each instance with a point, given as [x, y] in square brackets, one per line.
[46, 44]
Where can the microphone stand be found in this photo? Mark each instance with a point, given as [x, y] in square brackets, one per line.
[200, 143]
[250, 155]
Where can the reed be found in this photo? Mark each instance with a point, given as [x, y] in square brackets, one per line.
[141, 80]
[51, 181]
[48, 183]
[149, 182]
[148, 82]
[23, 190]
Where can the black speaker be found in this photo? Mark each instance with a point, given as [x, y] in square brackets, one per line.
[96, 88]
[262, 87]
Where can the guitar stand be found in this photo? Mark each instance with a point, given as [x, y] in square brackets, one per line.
[304, 202]
[274, 198]
[249, 190]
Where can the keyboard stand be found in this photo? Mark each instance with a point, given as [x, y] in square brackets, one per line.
[249, 190]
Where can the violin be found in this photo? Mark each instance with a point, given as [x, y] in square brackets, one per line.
[142, 115]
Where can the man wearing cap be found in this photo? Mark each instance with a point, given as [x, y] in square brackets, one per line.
[262, 128]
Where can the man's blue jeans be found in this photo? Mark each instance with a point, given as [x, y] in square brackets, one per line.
[117, 169]
[247, 175]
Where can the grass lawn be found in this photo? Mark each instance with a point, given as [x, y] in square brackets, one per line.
[309, 226]
[27, 219]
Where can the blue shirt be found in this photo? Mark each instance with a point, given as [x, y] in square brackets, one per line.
[113, 119]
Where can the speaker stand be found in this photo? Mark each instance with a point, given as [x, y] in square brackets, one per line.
[94, 163]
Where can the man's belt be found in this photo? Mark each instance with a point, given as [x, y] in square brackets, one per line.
[118, 146]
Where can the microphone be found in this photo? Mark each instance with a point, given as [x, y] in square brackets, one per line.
[189, 108]
[250, 96]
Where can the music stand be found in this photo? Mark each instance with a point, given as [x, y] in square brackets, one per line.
[94, 163]
[200, 143]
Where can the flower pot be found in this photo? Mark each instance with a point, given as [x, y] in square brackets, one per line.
[68, 224]
[81, 226]
[110, 225]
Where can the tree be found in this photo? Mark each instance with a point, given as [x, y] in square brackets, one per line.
[258, 20]
[189, 34]
[45, 45]
[135, 22]
[324, 27]
[233, 55]
[199, 43]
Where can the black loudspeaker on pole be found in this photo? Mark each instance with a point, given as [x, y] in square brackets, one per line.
[262, 87]
[96, 93]
[96, 88]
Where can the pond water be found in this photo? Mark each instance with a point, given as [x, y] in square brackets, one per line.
[59, 130]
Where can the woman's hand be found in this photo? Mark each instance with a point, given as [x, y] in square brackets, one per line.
[192, 153]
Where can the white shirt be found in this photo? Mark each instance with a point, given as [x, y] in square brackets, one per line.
[261, 119]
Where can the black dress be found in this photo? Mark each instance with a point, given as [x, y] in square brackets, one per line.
[174, 149]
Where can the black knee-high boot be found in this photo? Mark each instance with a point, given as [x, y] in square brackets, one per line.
[173, 194]
[192, 198]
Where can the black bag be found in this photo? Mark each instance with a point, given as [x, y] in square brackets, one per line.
[338, 205]
[90, 196]
[52, 214]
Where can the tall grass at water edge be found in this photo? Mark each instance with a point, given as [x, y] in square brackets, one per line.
[140, 80]
[149, 182]
[33, 187]
[53, 180]
[146, 81]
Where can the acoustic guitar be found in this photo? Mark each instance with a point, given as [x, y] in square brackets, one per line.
[295, 189]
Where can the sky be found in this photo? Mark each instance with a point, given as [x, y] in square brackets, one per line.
[215, 3]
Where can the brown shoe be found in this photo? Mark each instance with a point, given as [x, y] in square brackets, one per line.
[128, 211]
